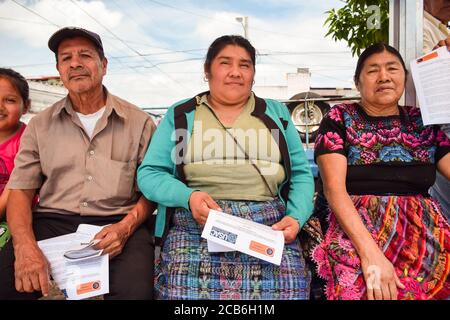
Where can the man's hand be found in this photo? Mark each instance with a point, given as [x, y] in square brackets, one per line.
[290, 228]
[443, 43]
[200, 204]
[113, 238]
[31, 269]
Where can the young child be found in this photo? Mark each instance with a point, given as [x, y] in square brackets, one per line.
[14, 102]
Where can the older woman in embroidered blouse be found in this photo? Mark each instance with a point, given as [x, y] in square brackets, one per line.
[386, 237]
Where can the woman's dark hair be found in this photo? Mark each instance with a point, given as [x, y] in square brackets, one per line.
[224, 41]
[374, 49]
[18, 81]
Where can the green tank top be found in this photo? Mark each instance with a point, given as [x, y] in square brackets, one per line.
[215, 164]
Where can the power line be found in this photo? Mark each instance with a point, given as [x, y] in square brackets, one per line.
[24, 21]
[42, 17]
[190, 12]
[324, 67]
[176, 61]
[168, 51]
[161, 53]
[128, 46]
[142, 56]
[31, 65]
[227, 22]
[50, 22]
[290, 53]
[114, 37]
[122, 10]
[315, 72]
[34, 12]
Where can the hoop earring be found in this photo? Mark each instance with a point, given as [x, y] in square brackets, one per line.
[205, 78]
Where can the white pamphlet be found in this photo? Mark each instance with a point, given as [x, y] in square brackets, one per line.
[244, 235]
[77, 278]
[431, 75]
[215, 247]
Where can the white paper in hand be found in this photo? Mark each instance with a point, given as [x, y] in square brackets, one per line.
[80, 278]
[431, 75]
[243, 235]
[215, 247]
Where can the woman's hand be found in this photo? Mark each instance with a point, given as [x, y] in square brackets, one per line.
[381, 280]
[200, 204]
[290, 228]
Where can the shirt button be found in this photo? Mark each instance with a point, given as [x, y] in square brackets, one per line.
[92, 152]
[90, 178]
[84, 204]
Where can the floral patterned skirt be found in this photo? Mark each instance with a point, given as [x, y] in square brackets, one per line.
[411, 232]
[186, 270]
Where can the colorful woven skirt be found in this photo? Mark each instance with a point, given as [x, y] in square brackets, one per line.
[413, 235]
[186, 270]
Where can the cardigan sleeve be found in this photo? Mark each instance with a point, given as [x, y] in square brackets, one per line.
[156, 175]
[301, 189]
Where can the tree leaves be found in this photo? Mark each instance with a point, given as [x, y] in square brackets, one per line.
[360, 23]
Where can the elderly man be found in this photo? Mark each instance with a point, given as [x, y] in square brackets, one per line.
[436, 33]
[81, 154]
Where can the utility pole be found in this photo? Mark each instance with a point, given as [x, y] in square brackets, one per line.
[244, 23]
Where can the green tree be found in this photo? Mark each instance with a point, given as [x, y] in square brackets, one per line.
[359, 22]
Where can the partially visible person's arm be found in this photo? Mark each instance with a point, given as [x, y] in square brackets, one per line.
[114, 237]
[155, 176]
[301, 190]
[443, 43]
[333, 170]
[157, 181]
[443, 166]
[3, 201]
[31, 267]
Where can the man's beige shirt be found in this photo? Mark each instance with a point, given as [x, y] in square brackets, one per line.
[433, 31]
[79, 175]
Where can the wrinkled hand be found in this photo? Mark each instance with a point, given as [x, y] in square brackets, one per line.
[443, 43]
[113, 238]
[200, 204]
[289, 226]
[381, 280]
[31, 269]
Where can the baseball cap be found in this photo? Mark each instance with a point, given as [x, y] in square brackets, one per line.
[70, 32]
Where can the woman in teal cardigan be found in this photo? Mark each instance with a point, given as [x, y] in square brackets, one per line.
[227, 150]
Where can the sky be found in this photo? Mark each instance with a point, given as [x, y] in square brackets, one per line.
[156, 49]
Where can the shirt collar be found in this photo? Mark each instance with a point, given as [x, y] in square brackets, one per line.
[202, 99]
[436, 22]
[111, 104]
